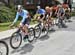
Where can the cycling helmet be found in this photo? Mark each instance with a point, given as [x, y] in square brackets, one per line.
[47, 7]
[38, 7]
[19, 7]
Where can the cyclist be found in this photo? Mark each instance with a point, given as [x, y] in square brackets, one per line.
[55, 9]
[67, 14]
[48, 14]
[60, 14]
[54, 14]
[41, 12]
[49, 18]
[42, 15]
[25, 20]
[67, 11]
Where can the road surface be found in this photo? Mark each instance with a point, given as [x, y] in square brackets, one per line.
[59, 42]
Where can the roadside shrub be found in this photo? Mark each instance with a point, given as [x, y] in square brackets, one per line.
[6, 14]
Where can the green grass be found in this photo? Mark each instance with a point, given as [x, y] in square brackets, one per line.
[5, 26]
[73, 14]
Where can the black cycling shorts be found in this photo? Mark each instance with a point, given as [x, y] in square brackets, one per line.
[26, 21]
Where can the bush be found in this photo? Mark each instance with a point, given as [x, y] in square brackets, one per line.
[6, 14]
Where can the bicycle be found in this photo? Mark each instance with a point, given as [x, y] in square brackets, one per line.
[41, 30]
[16, 37]
[67, 17]
[3, 48]
[61, 22]
[51, 23]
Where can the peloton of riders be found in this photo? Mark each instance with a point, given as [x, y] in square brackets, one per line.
[45, 15]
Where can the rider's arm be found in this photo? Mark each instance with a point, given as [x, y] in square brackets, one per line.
[17, 15]
[63, 11]
[50, 14]
[24, 17]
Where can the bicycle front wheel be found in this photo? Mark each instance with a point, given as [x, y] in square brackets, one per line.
[4, 50]
[37, 31]
[15, 40]
[31, 34]
[46, 29]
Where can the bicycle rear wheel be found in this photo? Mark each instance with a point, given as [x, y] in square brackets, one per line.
[3, 48]
[15, 40]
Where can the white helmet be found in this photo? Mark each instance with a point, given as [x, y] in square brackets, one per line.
[19, 7]
[38, 7]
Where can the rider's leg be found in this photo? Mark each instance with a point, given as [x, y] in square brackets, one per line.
[44, 24]
[20, 27]
[25, 28]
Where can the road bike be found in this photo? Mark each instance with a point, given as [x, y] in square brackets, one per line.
[16, 38]
[61, 22]
[40, 29]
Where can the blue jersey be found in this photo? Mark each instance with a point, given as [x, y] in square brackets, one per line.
[23, 14]
[41, 11]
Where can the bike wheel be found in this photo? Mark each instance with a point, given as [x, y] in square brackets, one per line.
[37, 31]
[47, 29]
[31, 35]
[3, 48]
[45, 32]
[15, 40]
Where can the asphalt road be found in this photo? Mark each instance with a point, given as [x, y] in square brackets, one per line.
[59, 42]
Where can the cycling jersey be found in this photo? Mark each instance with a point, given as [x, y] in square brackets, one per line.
[23, 14]
[41, 11]
[65, 6]
[61, 11]
[55, 8]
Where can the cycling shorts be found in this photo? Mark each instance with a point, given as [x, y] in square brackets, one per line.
[26, 22]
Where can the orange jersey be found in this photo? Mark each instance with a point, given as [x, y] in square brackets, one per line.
[55, 8]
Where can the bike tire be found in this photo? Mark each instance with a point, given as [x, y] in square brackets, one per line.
[11, 44]
[39, 29]
[47, 29]
[7, 48]
[31, 30]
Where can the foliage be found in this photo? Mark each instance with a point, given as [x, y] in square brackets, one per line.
[6, 14]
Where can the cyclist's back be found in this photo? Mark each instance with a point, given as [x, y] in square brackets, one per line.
[41, 11]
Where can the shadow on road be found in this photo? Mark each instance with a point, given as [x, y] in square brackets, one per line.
[52, 30]
[26, 48]
[23, 50]
[45, 37]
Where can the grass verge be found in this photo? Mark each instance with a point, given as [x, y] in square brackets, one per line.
[5, 26]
